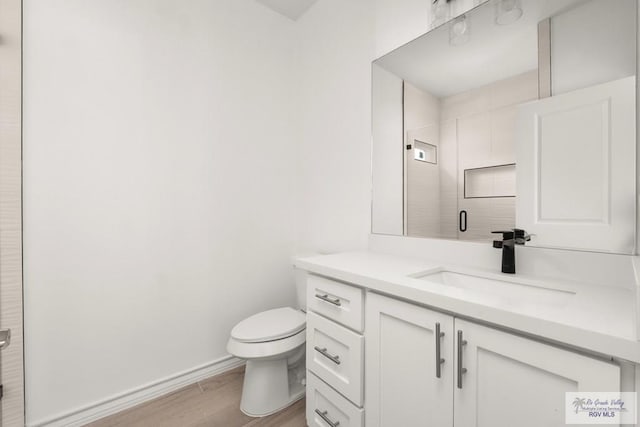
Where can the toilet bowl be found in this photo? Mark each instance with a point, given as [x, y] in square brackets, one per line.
[273, 344]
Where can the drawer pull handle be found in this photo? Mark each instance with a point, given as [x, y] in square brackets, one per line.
[326, 298]
[461, 370]
[439, 359]
[323, 415]
[323, 351]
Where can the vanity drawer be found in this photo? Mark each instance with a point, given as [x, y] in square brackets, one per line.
[335, 354]
[326, 407]
[337, 301]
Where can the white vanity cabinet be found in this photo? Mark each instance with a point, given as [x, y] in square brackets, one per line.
[335, 353]
[409, 368]
[510, 380]
[487, 378]
[337, 301]
[375, 360]
[327, 408]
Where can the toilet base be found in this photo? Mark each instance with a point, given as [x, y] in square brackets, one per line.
[270, 386]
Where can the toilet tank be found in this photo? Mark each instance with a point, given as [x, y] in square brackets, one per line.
[301, 288]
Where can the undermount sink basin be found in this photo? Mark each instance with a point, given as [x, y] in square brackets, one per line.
[513, 292]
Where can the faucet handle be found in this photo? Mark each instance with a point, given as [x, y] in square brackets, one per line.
[506, 234]
[521, 236]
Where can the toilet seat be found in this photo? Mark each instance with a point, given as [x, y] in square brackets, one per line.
[261, 350]
[270, 325]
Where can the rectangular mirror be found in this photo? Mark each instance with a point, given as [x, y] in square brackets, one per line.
[458, 113]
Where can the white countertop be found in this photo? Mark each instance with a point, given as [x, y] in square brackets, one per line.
[595, 318]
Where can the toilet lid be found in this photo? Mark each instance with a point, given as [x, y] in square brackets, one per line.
[270, 325]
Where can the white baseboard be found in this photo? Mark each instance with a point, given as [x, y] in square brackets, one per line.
[133, 397]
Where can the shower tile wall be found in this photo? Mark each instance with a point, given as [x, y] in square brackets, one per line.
[484, 119]
[476, 129]
[422, 192]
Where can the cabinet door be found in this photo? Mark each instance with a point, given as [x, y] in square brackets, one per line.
[402, 387]
[513, 381]
[576, 168]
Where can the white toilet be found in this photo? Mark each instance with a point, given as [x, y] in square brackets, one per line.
[273, 343]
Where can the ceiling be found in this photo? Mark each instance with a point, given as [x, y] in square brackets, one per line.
[292, 9]
[493, 52]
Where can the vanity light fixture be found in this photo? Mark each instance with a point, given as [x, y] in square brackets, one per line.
[508, 11]
[440, 12]
[459, 31]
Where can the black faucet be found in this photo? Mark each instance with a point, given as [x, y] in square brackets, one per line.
[510, 238]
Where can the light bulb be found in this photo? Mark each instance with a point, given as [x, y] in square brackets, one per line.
[440, 12]
[508, 11]
[459, 31]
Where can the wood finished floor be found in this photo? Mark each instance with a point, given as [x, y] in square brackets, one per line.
[214, 402]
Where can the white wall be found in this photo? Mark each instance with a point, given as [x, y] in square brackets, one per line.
[585, 51]
[398, 22]
[386, 152]
[158, 195]
[335, 49]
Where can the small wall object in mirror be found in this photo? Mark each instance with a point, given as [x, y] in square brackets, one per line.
[425, 152]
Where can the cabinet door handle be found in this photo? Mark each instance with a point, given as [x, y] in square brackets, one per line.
[461, 370]
[439, 359]
[325, 353]
[326, 298]
[323, 415]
